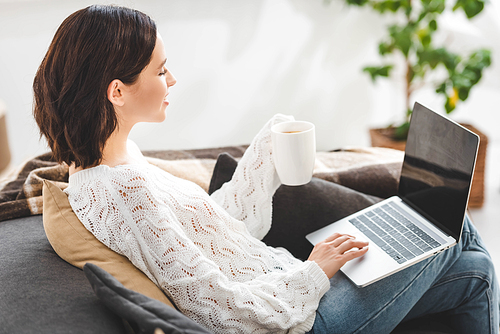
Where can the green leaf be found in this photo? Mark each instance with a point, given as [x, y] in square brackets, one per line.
[462, 79]
[441, 88]
[426, 40]
[433, 57]
[433, 25]
[389, 5]
[401, 132]
[380, 71]
[433, 6]
[449, 107]
[480, 59]
[402, 37]
[357, 2]
[449, 60]
[385, 48]
[463, 93]
[470, 7]
[471, 73]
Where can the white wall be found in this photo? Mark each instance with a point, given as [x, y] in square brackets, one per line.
[239, 62]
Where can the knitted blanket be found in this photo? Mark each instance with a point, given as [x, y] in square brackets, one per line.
[371, 170]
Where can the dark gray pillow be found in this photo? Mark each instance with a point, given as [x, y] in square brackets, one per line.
[142, 313]
[297, 211]
[40, 292]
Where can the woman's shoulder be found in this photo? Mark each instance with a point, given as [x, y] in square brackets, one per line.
[116, 175]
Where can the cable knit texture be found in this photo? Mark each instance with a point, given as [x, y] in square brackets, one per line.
[204, 251]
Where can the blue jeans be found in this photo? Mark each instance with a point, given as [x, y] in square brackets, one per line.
[460, 283]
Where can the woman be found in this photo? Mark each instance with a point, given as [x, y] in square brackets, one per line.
[104, 72]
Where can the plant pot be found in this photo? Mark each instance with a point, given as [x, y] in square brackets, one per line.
[382, 137]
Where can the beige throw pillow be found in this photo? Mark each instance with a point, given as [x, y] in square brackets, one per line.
[77, 246]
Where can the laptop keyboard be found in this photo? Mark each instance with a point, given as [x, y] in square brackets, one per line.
[394, 233]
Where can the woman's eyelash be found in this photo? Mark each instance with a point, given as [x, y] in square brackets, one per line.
[164, 72]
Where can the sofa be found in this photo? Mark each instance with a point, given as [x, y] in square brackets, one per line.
[44, 290]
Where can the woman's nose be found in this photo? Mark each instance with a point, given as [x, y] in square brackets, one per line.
[171, 80]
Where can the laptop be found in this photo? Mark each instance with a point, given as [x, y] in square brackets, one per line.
[427, 214]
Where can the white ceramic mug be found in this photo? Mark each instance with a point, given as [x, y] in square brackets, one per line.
[294, 151]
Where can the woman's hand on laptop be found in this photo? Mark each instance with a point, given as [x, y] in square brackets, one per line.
[332, 253]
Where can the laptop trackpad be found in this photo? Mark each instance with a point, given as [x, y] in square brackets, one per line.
[370, 267]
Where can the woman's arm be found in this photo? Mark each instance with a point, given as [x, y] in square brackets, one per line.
[270, 301]
[248, 196]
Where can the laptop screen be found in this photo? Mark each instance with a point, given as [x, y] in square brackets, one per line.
[437, 170]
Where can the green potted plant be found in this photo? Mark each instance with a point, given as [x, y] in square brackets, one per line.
[412, 38]
[451, 75]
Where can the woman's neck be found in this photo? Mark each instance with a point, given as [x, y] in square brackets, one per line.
[118, 150]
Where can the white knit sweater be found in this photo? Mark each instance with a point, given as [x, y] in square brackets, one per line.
[204, 251]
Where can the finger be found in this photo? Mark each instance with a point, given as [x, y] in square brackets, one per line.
[351, 255]
[333, 237]
[340, 240]
[350, 244]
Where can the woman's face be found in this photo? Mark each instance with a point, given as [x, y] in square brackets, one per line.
[146, 100]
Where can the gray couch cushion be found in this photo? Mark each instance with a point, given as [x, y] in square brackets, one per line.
[41, 293]
[144, 314]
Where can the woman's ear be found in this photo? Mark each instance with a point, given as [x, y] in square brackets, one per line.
[115, 93]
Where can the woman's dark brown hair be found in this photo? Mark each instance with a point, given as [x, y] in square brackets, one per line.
[91, 48]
